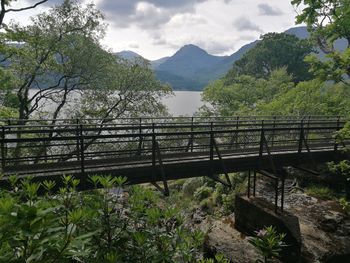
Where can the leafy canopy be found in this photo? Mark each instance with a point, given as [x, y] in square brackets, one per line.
[275, 50]
[328, 21]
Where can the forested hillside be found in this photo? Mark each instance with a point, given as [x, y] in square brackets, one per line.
[192, 68]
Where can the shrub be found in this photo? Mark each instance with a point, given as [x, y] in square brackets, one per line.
[345, 205]
[268, 243]
[191, 185]
[207, 205]
[320, 192]
[228, 203]
[202, 192]
[91, 226]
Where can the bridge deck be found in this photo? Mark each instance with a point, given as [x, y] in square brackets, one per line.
[146, 152]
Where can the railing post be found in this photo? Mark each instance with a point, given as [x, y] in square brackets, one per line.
[140, 137]
[276, 195]
[273, 131]
[236, 139]
[153, 151]
[335, 139]
[254, 184]
[248, 190]
[262, 134]
[3, 157]
[192, 136]
[301, 136]
[282, 192]
[77, 132]
[82, 154]
[211, 152]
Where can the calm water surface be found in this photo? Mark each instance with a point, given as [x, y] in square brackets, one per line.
[181, 103]
[184, 102]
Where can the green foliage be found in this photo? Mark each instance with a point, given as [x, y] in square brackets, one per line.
[276, 96]
[341, 168]
[345, 205]
[8, 113]
[219, 258]
[328, 20]
[268, 243]
[274, 51]
[310, 98]
[91, 226]
[320, 192]
[203, 192]
[191, 185]
[246, 93]
[343, 135]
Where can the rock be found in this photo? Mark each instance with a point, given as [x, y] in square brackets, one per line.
[223, 238]
[198, 216]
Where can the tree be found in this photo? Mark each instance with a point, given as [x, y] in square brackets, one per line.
[272, 52]
[328, 21]
[310, 98]
[53, 56]
[243, 96]
[6, 3]
[58, 59]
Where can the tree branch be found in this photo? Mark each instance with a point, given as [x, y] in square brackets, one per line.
[25, 8]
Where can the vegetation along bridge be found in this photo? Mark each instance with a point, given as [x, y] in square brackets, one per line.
[159, 149]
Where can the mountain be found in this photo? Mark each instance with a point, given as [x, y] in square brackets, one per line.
[187, 68]
[200, 68]
[129, 55]
[155, 63]
[302, 33]
[188, 61]
[192, 68]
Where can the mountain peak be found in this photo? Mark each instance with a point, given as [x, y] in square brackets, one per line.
[191, 48]
[128, 54]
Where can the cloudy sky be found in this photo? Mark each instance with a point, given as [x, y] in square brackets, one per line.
[158, 28]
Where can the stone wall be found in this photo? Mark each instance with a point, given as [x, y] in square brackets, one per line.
[253, 214]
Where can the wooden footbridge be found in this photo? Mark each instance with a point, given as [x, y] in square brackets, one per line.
[160, 149]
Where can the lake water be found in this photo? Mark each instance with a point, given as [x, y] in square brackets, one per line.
[184, 103]
[181, 103]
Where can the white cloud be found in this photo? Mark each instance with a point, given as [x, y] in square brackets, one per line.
[157, 28]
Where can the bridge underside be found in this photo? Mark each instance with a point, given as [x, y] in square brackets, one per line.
[140, 170]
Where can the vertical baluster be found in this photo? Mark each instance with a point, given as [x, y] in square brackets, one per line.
[192, 136]
[3, 153]
[301, 137]
[153, 151]
[248, 190]
[273, 132]
[276, 195]
[77, 133]
[254, 184]
[82, 154]
[262, 134]
[211, 152]
[140, 137]
[236, 139]
[282, 191]
[335, 139]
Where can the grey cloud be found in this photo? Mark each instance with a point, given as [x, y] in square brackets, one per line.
[49, 3]
[244, 24]
[267, 10]
[215, 47]
[146, 13]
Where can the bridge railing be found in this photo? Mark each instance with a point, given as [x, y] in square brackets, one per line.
[66, 146]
